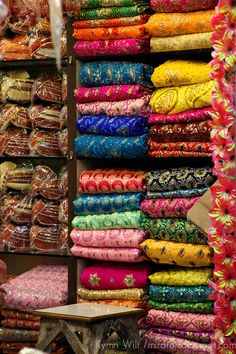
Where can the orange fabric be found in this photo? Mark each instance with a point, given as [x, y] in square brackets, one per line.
[125, 303]
[112, 22]
[16, 48]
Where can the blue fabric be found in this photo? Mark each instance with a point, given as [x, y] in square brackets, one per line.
[97, 146]
[115, 73]
[173, 294]
[180, 193]
[106, 125]
[107, 204]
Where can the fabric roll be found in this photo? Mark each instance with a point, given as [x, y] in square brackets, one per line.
[112, 22]
[20, 315]
[131, 107]
[114, 276]
[111, 147]
[183, 117]
[107, 203]
[179, 148]
[20, 324]
[180, 193]
[173, 24]
[18, 335]
[126, 220]
[177, 230]
[176, 294]
[201, 337]
[123, 303]
[114, 238]
[124, 294]
[199, 307]
[182, 5]
[90, 4]
[115, 73]
[112, 126]
[177, 153]
[180, 276]
[168, 208]
[182, 254]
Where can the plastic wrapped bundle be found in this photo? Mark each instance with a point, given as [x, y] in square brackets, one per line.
[46, 117]
[15, 236]
[63, 181]
[41, 47]
[16, 208]
[48, 88]
[15, 115]
[15, 48]
[44, 238]
[4, 22]
[45, 213]
[44, 143]
[14, 142]
[16, 87]
[63, 211]
[5, 168]
[64, 87]
[45, 183]
[63, 141]
[20, 178]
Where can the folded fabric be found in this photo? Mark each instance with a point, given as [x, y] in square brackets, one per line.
[168, 208]
[177, 230]
[115, 73]
[181, 148]
[180, 320]
[107, 203]
[111, 12]
[182, 98]
[123, 303]
[173, 24]
[182, 254]
[99, 146]
[131, 107]
[198, 336]
[20, 315]
[176, 345]
[14, 347]
[181, 276]
[177, 153]
[20, 324]
[176, 294]
[111, 276]
[18, 335]
[182, 42]
[112, 22]
[110, 180]
[184, 117]
[180, 193]
[114, 238]
[179, 178]
[90, 4]
[109, 126]
[121, 294]
[199, 307]
[130, 255]
[126, 220]
[182, 5]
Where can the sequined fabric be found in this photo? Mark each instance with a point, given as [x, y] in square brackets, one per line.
[123, 303]
[176, 294]
[199, 307]
[184, 117]
[127, 294]
[179, 193]
[182, 5]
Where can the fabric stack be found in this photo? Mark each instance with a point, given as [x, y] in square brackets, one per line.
[181, 25]
[181, 290]
[108, 227]
[180, 124]
[111, 27]
[114, 106]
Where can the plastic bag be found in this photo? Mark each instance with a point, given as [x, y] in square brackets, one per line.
[14, 142]
[16, 86]
[44, 143]
[45, 183]
[63, 141]
[15, 49]
[46, 117]
[45, 213]
[16, 208]
[48, 88]
[14, 115]
[44, 238]
[15, 236]
[4, 16]
[41, 46]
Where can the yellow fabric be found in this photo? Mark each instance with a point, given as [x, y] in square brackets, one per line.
[183, 98]
[182, 254]
[124, 294]
[181, 72]
[173, 24]
[181, 42]
[182, 277]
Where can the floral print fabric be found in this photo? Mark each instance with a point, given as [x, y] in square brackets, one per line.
[112, 22]
[198, 336]
[180, 193]
[175, 294]
[184, 149]
[182, 276]
[199, 307]
[184, 117]
[182, 5]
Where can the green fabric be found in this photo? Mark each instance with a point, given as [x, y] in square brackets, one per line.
[111, 12]
[200, 307]
[126, 220]
[91, 4]
[176, 230]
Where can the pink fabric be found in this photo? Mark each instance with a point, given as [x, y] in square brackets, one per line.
[41, 287]
[116, 238]
[184, 117]
[131, 255]
[112, 47]
[168, 208]
[110, 93]
[180, 320]
[110, 276]
[3, 271]
[131, 107]
[182, 5]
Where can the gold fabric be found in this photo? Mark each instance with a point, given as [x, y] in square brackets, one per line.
[124, 294]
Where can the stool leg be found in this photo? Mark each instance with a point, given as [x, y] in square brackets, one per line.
[69, 332]
[47, 335]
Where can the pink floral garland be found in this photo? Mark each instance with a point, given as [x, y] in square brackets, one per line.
[222, 234]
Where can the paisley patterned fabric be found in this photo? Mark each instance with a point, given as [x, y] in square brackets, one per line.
[110, 93]
[124, 294]
[182, 254]
[114, 238]
[180, 193]
[112, 181]
[111, 276]
[168, 208]
[199, 307]
[131, 107]
[90, 4]
[173, 24]
[111, 147]
[182, 98]
[115, 73]
[176, 294]
[105, 125]
[182, 276]
[127, 220]
[180, 149]
[202, 337]
[112, 22]
[178, 230]
[184, 117]
[182, 5]
[107, 203]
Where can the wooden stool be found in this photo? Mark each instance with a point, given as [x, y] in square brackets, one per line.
[93, 323]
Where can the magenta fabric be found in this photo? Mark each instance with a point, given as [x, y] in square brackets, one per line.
[180, 320]
[168, 208]
[182, 5]
[116, 238]
[184, 117]
[114, 47]
[130, 255]
[112, 276]
[110, 93]
[131, 107]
